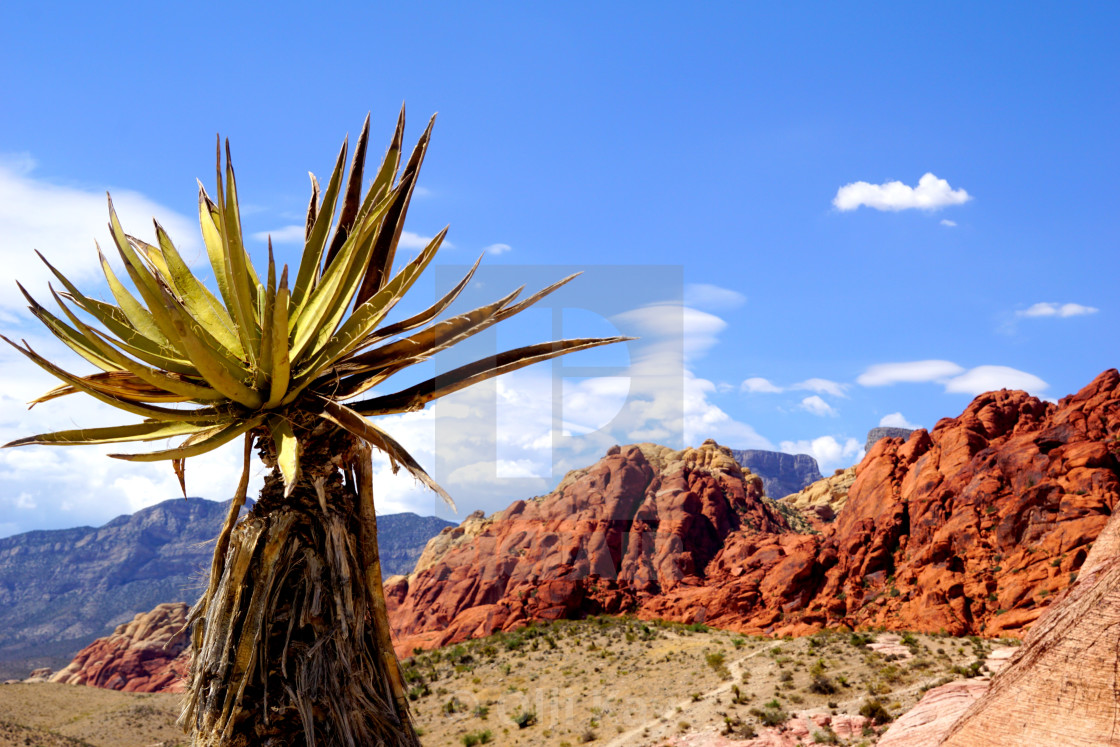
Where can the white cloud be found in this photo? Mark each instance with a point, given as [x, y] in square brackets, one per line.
[822, 386]
[828, 451]
[417, 242]
[990, 378]
[666, 325]
[817, 406]
[1059, 310]
[64, 221]
[953, 377]
[712, 297]
[896, 420]
[883, 374]
[285, 235]
[930, 194]
[497, 249]
[759, 384]
[948, 223]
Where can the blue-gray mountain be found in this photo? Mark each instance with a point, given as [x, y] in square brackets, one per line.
[60, 589]
[781, 473]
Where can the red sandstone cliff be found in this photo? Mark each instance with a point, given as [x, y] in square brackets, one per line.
[145, 655]
[972, 527]
[642, 521]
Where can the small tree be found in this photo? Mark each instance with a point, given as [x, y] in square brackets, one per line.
[291, 640]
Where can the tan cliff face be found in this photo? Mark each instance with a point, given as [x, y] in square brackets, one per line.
[972, 527]
[820, 502]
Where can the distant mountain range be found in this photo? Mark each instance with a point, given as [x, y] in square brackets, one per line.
[61, 588]
[782, 474]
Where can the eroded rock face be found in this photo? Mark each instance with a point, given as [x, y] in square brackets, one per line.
[642, 521]
[927, 723]
[1060, 687]
[983, 520]
[972, 527]
[148, 654]
[820, 502]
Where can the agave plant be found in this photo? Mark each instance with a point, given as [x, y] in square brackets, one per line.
[291, 641]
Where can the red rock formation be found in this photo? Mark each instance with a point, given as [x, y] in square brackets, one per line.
[641, 522]
[970, 528]
[145, 655]
[1061, 686]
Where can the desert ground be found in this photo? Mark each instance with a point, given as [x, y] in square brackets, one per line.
[609, 681]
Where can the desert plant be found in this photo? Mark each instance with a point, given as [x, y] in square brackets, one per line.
[874, 709]
[290, 640]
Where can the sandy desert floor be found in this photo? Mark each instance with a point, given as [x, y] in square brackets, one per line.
[608, 681]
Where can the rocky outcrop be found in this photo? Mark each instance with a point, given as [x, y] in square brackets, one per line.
[1061, 686]
[147, 654]
[972, 527]
[820, 502]
[60, 589]
[450, 538]
[927, 723]
[781, 473]
[885, 431]
[642, 521]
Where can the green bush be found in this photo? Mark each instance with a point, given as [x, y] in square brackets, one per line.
[771, 714]
[873, 709]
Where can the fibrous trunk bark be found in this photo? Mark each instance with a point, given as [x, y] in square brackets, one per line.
[291, 640]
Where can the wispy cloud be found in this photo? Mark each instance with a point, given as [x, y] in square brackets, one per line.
[955, 378]
[990, 378]
[822, 386]
[712, 297]
[930, 194]
[496, 249]
[757, 384]
[817, 406]
[416, 242]
[1059, 310]
[284, 235]
[885, 374]
[948, 223]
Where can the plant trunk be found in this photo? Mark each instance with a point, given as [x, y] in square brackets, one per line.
[291, 641]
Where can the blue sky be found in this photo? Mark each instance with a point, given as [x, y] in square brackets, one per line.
[721, 171]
